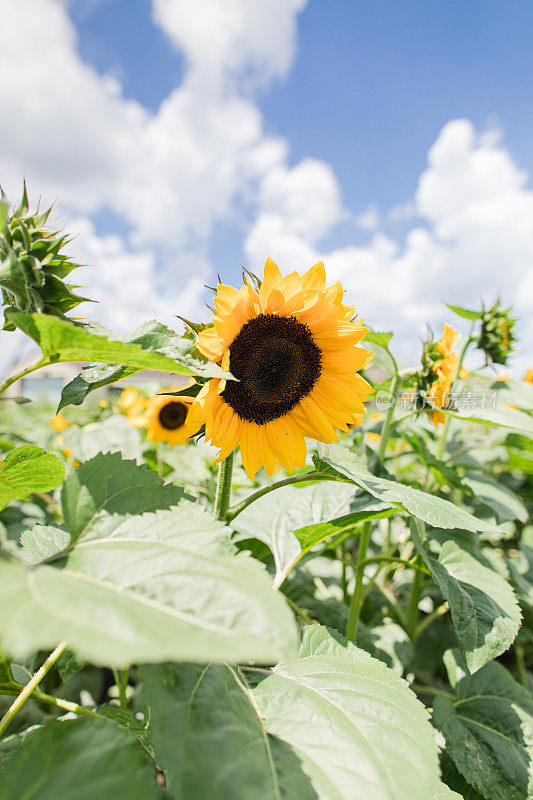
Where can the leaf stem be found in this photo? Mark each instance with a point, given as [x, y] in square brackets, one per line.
[23, 372]
[312, 475]
[30, 687]
[299, 611]
[121, 680]
[427, 621]
[414, 599]
[387, 422]
[223, 492]
[357, 596]
[14, 688]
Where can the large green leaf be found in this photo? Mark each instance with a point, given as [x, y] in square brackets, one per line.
[77, 760]
[207, 709]
[147, 592]
[273, 518]
[496, 495]
[108, 485]
[433, 510]
[489, 733]
[357, 727]
[445, 793]
[112, 435]
[159, 348]
[484, 610]
[28, 469]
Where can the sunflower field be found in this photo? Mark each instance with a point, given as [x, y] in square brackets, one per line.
[295, 568]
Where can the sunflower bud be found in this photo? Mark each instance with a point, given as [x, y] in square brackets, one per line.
[32, 267]
[496, 338]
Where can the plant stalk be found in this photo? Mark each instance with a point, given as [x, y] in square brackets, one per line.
[357, 597]
[313, 475]
[387, 422]
[23, 372]
[30, 687]
[223, 492]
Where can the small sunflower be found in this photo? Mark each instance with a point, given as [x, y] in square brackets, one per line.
[291, 345]
[529, 375]
[165, 417]
[58, 423]
[439, 370]
[133, 405]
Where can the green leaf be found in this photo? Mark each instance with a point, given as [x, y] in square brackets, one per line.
[111, 435]
[158, 348]
[311, 535]
[445, 793]
[79, 760]
[28, 469]
[484, 610]
[380, 338]
[43, 542]
[108, 485]
[91, 378]
[488, 733]
[434, 510]
[501, 415]
[207, 709]
[464, 312]
[503, 501]
[273, 518]
[357, 727]
[149, 592]
[4, 211]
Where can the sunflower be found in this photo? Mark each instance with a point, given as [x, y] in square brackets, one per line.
[445, 371]
[529, 375]
[133, 405]
[291, 345]
[58, 423]
[165, 417]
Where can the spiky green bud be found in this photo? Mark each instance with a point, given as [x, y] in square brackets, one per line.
[32, 267]
[496, 337]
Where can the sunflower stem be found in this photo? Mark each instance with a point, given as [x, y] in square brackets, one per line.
[223, 493]
[23, 372]
[19, 701]
[387, 422]
[313, 475]
[357, 596]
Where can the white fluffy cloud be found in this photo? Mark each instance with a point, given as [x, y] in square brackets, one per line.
[474, 241]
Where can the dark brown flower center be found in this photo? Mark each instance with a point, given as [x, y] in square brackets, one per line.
[173, 415]
[277, 363]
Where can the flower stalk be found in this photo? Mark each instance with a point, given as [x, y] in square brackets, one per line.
[223, 492]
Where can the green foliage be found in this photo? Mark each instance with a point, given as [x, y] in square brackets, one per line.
[170, 639]
[26, 470]
[380, 743]
[78, 759]
[487, 727]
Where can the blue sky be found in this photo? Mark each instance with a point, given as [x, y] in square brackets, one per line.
[372, 84]
[182, 139]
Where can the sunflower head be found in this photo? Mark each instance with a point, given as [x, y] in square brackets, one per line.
[496, 337]
[291, 345]
[438, 371]
[32, 267]
[165, 418]
[529, 375]
[58, 423]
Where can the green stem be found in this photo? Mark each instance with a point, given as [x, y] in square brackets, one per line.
[396, 560]
[223, 492]
[23, 372]
[387, 422]
[297, 610]
[313, 475]
[58, 702]
[30, 687]
[521, 664]
[344, 580]
[121, 680]
[430, 619]
[414, 599]
[421, 689]
[357, 597]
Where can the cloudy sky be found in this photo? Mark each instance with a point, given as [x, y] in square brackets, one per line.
[180, 139]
